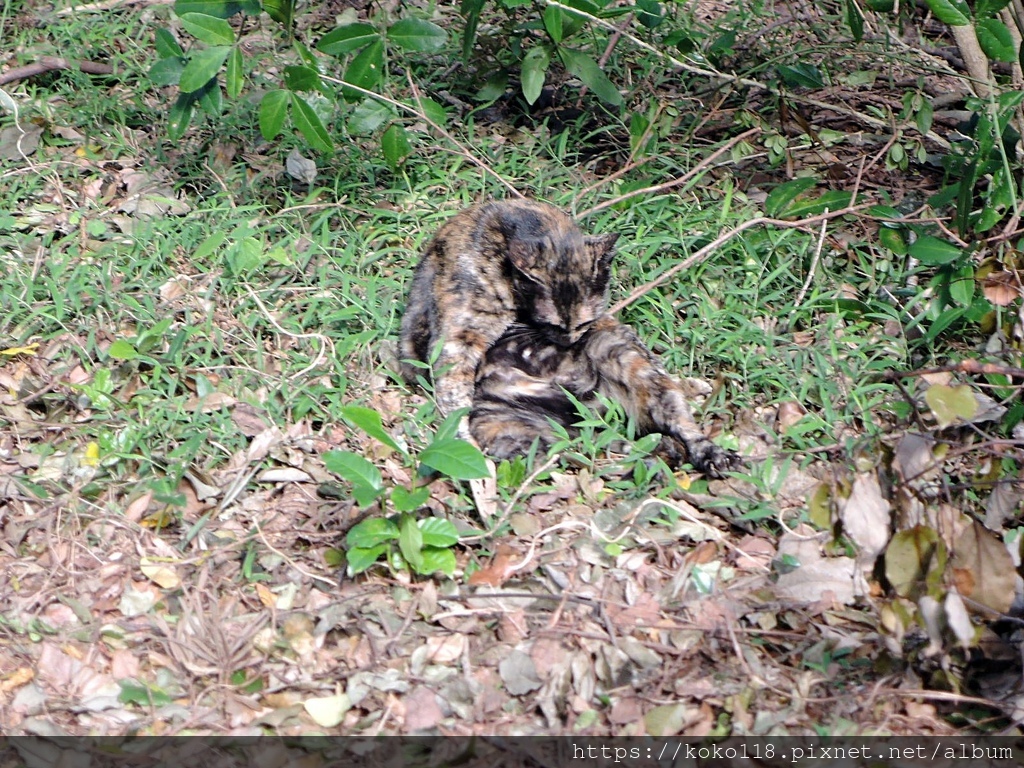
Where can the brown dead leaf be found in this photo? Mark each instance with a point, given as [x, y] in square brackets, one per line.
[421, 710]
[982, 569]
[644, 613]
[1001, 288]
[499, 570]
[816, 575]
[625, 710]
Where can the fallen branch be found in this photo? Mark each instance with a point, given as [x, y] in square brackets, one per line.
[52, 63]
[964, 366]
[725, 237]
[677, 182]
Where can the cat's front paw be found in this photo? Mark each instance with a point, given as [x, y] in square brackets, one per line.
[712, 460]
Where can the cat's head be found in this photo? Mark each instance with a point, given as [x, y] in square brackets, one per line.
[560, 275]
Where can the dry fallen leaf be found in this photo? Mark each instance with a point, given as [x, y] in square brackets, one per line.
[982, 569]
[866, 517]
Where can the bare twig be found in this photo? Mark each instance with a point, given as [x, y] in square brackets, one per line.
[725, 237]
[464, 151]
[51, 63]
[676, 182]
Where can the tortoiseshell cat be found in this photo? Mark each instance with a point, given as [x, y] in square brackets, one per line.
[525, 374]
[527, 263]
[489, 267]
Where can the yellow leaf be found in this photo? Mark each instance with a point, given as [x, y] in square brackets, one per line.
[683, 481]
[160, 574]
[92, 455]
[30, 349]
[268, 598]
[950, 403]
[328, 711]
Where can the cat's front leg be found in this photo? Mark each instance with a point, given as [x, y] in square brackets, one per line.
[631, 375]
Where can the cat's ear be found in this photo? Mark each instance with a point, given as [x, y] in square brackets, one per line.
[602, 248]
[524, 255]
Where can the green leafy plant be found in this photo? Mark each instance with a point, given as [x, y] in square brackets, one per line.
[421, 545]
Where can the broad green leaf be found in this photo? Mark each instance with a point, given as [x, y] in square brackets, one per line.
[348, 38]
[222, 9]
[961, 286]
[395, 145]
[780, 198]
[450, 426]
[166, 45]
[361, 558]
[366, 68]
[122, 350]
[211, 99]
[910, 555]
[535, 65]
[995, 39]
[209, 245]
[924, 116]
[354, 468]
[208, 29]
[438, 532]
[433, 560]
[245, 255]
[801, 75]
[234, 78]
[455, 458]
[649, 13]
[142, 694]
[412, 34]
[281, 11]
[588, 70]
[985, 8]
[180, 115]
[409, 501]
[470, 11]
[202, 67]
[273, 110]
[553, 23]
[893, 240]
[370, 533]
[934, 252]
[948, 404]
[369, 421]
[167, 71]
[297, 78]
[952, 12]
[494, 88]
[309, 124]
[410, 541]
[433, 111]
[368, 116]
[834, 200]
[854, 20]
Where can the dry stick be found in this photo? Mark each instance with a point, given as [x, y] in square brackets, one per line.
[106, 6]
[51, 63]
[725, 237]
[440, 129]
[679, 181]
[964, 366]
[721, 77]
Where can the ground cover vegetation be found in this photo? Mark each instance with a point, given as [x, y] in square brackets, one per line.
[223, 512]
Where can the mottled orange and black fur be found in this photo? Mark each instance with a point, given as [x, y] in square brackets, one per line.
[523, 380]
[517, 281]
[489, 267]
